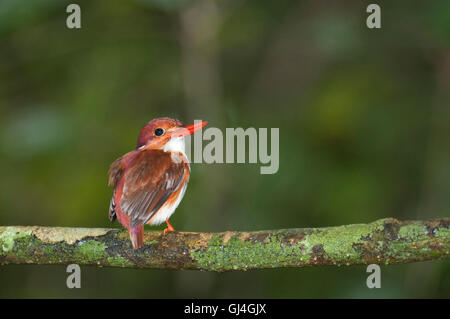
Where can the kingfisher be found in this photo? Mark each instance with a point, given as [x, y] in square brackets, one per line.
[150, 181]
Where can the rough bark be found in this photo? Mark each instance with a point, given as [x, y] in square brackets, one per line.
[386, 241]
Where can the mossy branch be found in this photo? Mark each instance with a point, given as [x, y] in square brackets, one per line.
[386, 241]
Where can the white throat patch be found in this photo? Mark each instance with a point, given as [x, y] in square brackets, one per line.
[175, 145]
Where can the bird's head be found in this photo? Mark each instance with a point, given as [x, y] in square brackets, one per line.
[157, 133]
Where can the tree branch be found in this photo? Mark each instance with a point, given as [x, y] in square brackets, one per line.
[386, 241]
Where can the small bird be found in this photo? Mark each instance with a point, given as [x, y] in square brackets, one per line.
[150, 181]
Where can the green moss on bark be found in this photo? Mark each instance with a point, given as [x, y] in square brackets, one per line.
[383, 242]
[10, 235]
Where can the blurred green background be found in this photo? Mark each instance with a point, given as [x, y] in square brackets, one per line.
[363, 117]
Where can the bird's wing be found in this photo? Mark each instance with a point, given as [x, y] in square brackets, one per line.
[115, 172]
[112, 208]
[149, 183]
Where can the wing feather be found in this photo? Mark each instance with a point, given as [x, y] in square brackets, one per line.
[112, 209]
[149, 184]
[115, 172]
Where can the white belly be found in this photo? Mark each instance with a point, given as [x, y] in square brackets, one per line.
[167, 209]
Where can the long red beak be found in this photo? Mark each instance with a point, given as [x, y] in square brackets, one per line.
[190, 129]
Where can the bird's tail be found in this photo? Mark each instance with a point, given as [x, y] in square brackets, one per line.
[137, 236]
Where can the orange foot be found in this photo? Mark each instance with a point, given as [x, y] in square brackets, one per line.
[169, 227]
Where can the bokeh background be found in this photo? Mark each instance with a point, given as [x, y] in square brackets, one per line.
[363, 117]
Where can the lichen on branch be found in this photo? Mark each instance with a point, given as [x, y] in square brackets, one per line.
[386, 241]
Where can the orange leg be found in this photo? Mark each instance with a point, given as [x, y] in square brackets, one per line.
[169, 227]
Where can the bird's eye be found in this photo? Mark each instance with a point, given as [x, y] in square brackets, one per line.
[159, 131]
